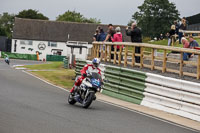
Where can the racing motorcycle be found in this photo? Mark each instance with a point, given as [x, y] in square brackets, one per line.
[7, 60]
[85, 94]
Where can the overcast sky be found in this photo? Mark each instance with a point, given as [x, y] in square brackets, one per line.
[108, 11]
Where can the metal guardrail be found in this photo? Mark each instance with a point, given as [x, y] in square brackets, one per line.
[128, 53]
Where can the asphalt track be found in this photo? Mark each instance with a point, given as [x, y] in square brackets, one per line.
[28, 105]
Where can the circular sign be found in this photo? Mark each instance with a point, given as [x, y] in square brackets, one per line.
[41, 46]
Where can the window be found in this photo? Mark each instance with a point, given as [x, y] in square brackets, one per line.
[52, 44]
[26, 42]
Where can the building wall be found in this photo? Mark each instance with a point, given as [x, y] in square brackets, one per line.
[25, 47]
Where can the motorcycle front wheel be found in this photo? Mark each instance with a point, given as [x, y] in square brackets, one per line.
[88, 100]
[71, 99]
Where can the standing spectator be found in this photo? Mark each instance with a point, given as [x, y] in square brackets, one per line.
[136, 36]
[192, 45]
[171, 34]
[177, 25]
[96, 33]
[110, 34]
[117, 37]
[182, 27]
[101, 37]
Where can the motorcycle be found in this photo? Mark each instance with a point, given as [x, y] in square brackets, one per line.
[85, 93]
[7, 60]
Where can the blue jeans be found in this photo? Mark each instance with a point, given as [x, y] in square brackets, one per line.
[186, 56]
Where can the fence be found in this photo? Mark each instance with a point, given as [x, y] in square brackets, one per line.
[150, 59]
[168, 94]
[55, 57]
[19, 56]
[186, 34]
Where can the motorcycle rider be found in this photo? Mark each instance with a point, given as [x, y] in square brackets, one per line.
[94, 67]
[7, 60]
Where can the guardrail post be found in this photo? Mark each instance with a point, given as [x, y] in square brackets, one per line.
[106, 53]
[164, 61]
[94, 51]
[152, 58]
[198, 67]
[133, 56]
[181, 64]
[125, 56]
[120, 55]
[109, 53]
[141, 57]
[115, 54]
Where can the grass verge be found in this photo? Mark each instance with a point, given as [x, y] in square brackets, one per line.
[58, 76]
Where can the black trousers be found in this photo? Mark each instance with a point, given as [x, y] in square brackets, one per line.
[137, 58]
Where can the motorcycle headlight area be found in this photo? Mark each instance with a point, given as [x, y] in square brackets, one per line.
[95, 82]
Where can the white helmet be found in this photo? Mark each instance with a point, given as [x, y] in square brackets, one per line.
[96, 62]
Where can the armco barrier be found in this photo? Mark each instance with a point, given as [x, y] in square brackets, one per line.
[19, 56]
[124, 84]
[168, 94]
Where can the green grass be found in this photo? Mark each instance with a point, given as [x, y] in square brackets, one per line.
[58, 76]
[50, 65]
[63, 78]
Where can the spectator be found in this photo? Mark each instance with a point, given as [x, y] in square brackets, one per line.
[161, 37]
[171, 34]
[182, 27]
[192, 45]
[117, 37]
[96, 33]
[110, 34]
[136, 36]
[185, 42]
[101, 37]
[177, 25]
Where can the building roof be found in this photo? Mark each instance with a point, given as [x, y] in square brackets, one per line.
[44, 30]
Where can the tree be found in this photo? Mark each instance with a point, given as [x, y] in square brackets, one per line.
[156, 16]
[31, 14]
[72, 16]
[6, 24]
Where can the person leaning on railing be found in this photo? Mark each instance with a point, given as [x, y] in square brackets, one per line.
[193, 44]
[136, 36]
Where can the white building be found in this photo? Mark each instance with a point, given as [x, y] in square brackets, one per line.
[52, 37]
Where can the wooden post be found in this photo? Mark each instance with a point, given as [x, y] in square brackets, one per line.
[133, 56]
[115, 54]
[101, 52]
[106, 52]
[93, 50]
[120, 55]
[152, 58]
[97, 51]
[109, 53]
[198, 67]
[181, 65]
[141, 57]
[125, 56]
[164, 61]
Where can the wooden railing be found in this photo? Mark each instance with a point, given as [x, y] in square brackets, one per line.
[126, 56]
[187, 34]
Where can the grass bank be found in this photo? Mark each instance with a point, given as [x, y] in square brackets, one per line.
[54, 73]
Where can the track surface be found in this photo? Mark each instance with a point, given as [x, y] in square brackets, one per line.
[28, 105]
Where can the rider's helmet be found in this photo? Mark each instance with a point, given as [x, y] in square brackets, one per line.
[96, 62]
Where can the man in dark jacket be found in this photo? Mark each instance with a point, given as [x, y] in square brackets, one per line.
[136, 36]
